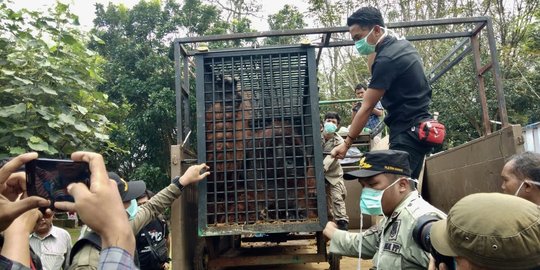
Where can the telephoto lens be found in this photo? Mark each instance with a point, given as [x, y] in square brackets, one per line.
[421, 235]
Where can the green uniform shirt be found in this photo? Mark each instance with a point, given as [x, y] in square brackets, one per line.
[333, 172]
[397, 250]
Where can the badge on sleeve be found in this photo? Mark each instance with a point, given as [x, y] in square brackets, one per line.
[394, 230]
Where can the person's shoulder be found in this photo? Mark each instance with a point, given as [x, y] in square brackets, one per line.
[393, 49]
[419, 207]
[85, 258]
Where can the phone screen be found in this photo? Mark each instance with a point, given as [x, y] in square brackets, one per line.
[49, 178]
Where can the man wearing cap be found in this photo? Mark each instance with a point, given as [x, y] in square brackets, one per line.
[490, 231]
[85, 253]
[521, 176]
[387, 190]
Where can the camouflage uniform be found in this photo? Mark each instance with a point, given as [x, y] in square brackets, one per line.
[398, 250]
[335, 188]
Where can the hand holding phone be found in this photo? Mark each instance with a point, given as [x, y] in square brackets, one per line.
[11, 186]
[49, 178]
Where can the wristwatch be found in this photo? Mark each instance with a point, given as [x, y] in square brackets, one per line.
[176, 182]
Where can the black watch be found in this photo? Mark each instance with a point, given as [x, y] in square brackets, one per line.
[176, 182]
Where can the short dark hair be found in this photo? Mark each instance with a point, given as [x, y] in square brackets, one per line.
[526, 166]
[332, 115]
[366, 16]
[360, 86]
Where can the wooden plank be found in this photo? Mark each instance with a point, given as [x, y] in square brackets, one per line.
[183, 216]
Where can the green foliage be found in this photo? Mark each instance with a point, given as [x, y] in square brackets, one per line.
[199, 18]
[455, 95]
[287, 18]
[47, 75]
[140, 78]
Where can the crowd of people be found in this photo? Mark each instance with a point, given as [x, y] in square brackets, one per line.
[482, 231]
[109, 207]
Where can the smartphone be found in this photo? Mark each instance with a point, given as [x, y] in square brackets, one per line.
[49, 178]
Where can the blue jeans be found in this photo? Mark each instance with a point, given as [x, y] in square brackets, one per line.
[405, 141]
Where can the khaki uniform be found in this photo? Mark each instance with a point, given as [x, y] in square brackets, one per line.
[397, 250]
[88, 256]
[335, 188]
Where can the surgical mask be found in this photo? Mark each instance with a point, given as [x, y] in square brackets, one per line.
[330, 128]
[132, 209]
[370, 200]
[363, 47]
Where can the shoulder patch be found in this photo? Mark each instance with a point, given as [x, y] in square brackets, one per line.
[394, 230]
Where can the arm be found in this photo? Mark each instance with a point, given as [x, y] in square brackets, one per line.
[164, 199]
[155, 206]
[347, 243]
[116, 258]
[8, 264]
[12, 185]
[16, 241]
[378, 110]
[371, 97]
[100, 206]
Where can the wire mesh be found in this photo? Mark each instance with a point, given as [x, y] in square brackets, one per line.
[259, 138]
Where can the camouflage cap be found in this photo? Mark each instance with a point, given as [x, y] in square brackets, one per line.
[492, 230]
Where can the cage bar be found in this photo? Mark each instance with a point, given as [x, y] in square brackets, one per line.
[257, 121]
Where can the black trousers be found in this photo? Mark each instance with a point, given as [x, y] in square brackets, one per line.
[405, 141]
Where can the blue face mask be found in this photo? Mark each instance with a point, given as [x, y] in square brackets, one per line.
[370, 200]
[363, 47]
[132, 209]
[329, 128]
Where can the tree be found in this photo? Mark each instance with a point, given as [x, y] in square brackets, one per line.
[455, 95]
[140, 79]
[48, 76]
[287, 18]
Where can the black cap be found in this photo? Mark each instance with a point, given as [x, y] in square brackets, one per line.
[384, 161]
[128, 190]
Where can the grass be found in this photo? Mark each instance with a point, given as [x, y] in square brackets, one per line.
[74, 233]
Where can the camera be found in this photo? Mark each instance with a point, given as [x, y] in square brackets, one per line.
[421, 235]
[49, 178]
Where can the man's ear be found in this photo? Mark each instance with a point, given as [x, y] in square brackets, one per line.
[528, 186]
[403, 184]
[377, 29]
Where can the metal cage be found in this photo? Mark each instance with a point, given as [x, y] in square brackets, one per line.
[258, 129]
